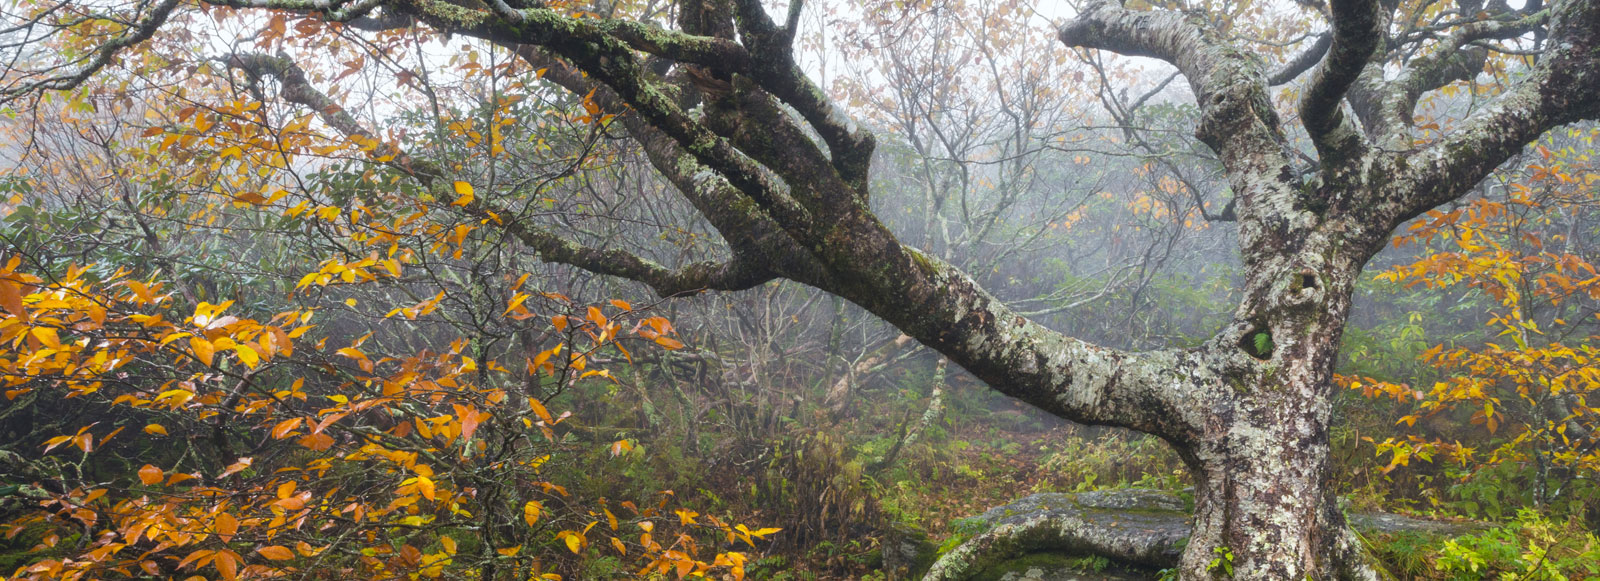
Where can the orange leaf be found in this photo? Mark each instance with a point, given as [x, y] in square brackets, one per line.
[227, 526]
[276, 553]
[11, 299]
[150, 475]
[227, 564]
[283, 428]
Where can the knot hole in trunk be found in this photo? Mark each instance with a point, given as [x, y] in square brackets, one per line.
[1257, 342]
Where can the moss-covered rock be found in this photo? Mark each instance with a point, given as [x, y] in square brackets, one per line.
[1108, 534]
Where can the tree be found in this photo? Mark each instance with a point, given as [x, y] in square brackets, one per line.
[200, 381]
[1529, 385]
[725, 113]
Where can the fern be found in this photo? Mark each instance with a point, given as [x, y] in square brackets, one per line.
[1263, 344]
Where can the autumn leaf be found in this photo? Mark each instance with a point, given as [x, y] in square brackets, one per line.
[227, 564]
[425, 486]
[276, 553]
[11, 300]
[531, 511]
[204, 350]
[464, 194]
[226, 525]
[150, 475]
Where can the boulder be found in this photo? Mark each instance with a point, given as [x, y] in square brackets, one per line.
[1104, 535]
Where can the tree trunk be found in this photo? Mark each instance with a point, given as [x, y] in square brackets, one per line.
[1265, 497]
[1265, 507]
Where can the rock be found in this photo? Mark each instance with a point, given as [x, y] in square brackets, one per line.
[907, 552]
[1139, 529]
[1389, 523]
[1045, 567]
[1048, 536]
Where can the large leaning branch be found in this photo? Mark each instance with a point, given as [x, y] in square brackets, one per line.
[930, 300]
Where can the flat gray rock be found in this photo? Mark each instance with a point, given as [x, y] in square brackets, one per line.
[1138, 530]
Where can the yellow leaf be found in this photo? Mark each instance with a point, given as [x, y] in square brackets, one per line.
[573, 542]
[531, 512]
[155, 429]
[463, 194]
[203, 349]
[509, 551]
[47, 336]
[425, 486]
[247, 355]
[621, 548]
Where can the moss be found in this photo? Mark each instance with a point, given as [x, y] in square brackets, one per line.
[923, 261]
[1045, 561]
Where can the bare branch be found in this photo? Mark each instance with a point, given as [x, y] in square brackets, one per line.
[1301, 62]
[1237, 118]
[1563, 88]
[738, 274]
[1450, 60]
[103, 56]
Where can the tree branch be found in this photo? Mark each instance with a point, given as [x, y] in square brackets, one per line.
[1301, 62]
[587, 45]
[746, 229]
[742, 272]
[1563, 88]
[103, 56]
[1356, 35]
[849, 145]
[1237, 118]
[1443, 63]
